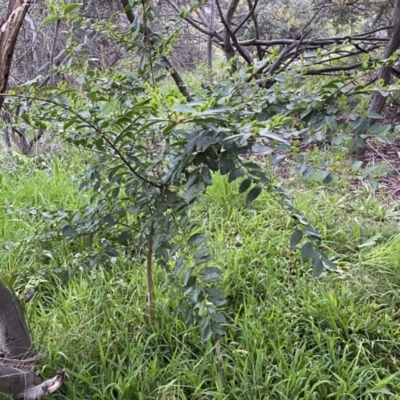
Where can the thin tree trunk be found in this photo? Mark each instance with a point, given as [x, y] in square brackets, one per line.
[256, 29]
[34, 36]
[149, 273]
[53, 50]
[211, 29]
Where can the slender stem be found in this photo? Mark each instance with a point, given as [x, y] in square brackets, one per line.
[211, 29]
[53, 50]
[149, 273]
[146, 35]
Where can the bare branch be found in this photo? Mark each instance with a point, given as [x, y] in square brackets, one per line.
[53, 50]
[191, 21]
[256, 28]
[314, 16]
[333, 69]
[313, 42]
[250, 14]
[230, 52]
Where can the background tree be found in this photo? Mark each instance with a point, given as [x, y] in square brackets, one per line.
[385, 75]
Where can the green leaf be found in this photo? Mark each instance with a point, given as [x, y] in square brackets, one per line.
[356, 166]
[204, 259]
[50, 18]
[253, 194]
[332, 124]
[109, 219]
[251, 165]
[196, 239]
[124, 237]
[183, 108]
[312, 232]
[218, 317]
[69, 231]
[307, 251]
[142, 63]
[192, 178]
[281, 78]
[227, 167]
[245, 185]
[115, 192]
[179, 265]
[206, 333]
[234, 174]
[196, 293]
[317, 264]
[70, 7]
[206, 176]
[374, 183]
[211, 274]
[190, 285]
[212, 164]
[215, 296]
[201, 253]
[378, 129]
[329, 264]
[219, 108]
[187, 276]
[328, 178]
[218, 329]
[361, 126]
[261, 150]
[187, 317]
[359, 141]
[205, 142]
[111, 251]
[308, 172]
[277, 159]
[266, 133]
[296, 237]
[374, 115]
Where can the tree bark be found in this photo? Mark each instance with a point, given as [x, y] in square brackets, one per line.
[9, 30]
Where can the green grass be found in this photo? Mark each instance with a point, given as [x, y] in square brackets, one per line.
[290, 336]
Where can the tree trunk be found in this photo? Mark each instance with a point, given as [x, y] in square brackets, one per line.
[378, 101]
[9, 30]
[211, 29]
